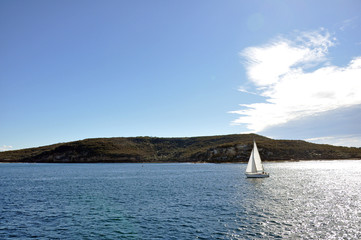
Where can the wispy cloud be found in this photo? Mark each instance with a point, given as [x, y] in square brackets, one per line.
[5, 148]
[338, 140]
[244, 90]
[348, 23]
[297, 80]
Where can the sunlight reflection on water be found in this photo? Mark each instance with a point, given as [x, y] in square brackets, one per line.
[317, 199]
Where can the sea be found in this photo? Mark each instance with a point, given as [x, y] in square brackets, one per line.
[300, 200]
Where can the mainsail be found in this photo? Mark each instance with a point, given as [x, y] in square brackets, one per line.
[257, 158]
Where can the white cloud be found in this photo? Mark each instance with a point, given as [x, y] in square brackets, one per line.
[343, 140]
[297, 81]
[5, 148]
[266, 64]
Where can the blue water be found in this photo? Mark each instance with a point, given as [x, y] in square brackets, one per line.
[304, 200]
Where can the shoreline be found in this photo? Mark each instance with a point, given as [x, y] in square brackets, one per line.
[198, 162]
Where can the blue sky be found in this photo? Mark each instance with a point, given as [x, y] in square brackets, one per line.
[71, 70]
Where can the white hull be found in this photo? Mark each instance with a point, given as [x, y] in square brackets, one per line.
[257, 175]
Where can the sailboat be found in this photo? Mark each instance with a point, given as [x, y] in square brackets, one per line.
[255, 167]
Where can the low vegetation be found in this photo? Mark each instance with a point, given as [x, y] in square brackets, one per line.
[217, 149]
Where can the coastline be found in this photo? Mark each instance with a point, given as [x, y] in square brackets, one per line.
[184, 162]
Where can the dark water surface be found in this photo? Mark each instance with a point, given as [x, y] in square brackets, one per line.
[302, 200]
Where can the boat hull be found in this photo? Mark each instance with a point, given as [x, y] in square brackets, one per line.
[257, 175]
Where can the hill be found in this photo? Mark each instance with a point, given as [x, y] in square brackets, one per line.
[217, 149]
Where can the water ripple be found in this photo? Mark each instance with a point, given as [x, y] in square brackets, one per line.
[303, 200]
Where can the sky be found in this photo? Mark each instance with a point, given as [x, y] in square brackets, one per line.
[75, 69]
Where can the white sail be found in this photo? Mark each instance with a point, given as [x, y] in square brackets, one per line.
[251, 167]
[257, 158]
